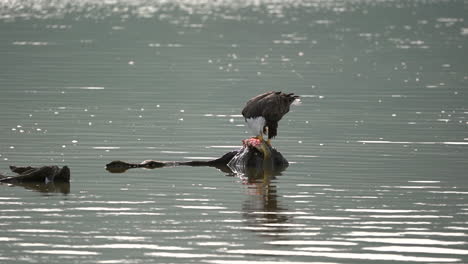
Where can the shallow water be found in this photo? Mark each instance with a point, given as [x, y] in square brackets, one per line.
[378, 147]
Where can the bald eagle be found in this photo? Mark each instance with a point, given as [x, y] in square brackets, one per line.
[263, 112]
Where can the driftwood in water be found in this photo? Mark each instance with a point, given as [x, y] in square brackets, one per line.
[44, 174]
[44, 179]
[237, 161]
[118, 166]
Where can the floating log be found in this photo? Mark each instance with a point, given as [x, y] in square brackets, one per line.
[44, 174]
[237, 162]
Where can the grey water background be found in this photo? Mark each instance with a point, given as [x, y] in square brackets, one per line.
[378, 146]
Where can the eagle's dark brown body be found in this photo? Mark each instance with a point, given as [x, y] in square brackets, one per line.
[272, 106]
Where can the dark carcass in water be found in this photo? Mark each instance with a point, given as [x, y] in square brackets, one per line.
[254, 155]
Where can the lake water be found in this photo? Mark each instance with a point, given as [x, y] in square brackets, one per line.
[378, 146]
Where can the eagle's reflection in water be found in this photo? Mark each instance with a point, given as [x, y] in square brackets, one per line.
[262, 211]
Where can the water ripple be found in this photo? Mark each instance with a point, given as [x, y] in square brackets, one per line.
[311, 242]
[62, 252]
[426, 250]
[409, 241]
[364, 256]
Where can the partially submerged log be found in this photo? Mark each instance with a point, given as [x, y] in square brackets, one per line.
[44, 174]
[246, 160]
[118, 166]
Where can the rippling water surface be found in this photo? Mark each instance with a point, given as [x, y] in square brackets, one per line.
[378, 146]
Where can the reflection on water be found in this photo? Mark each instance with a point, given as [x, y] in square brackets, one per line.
[377, 148]
[50, 187]
[299, 228]
[261, 210]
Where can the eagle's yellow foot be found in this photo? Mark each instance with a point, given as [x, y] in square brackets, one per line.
[265, 149]
[259, 137]
[267, 133]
